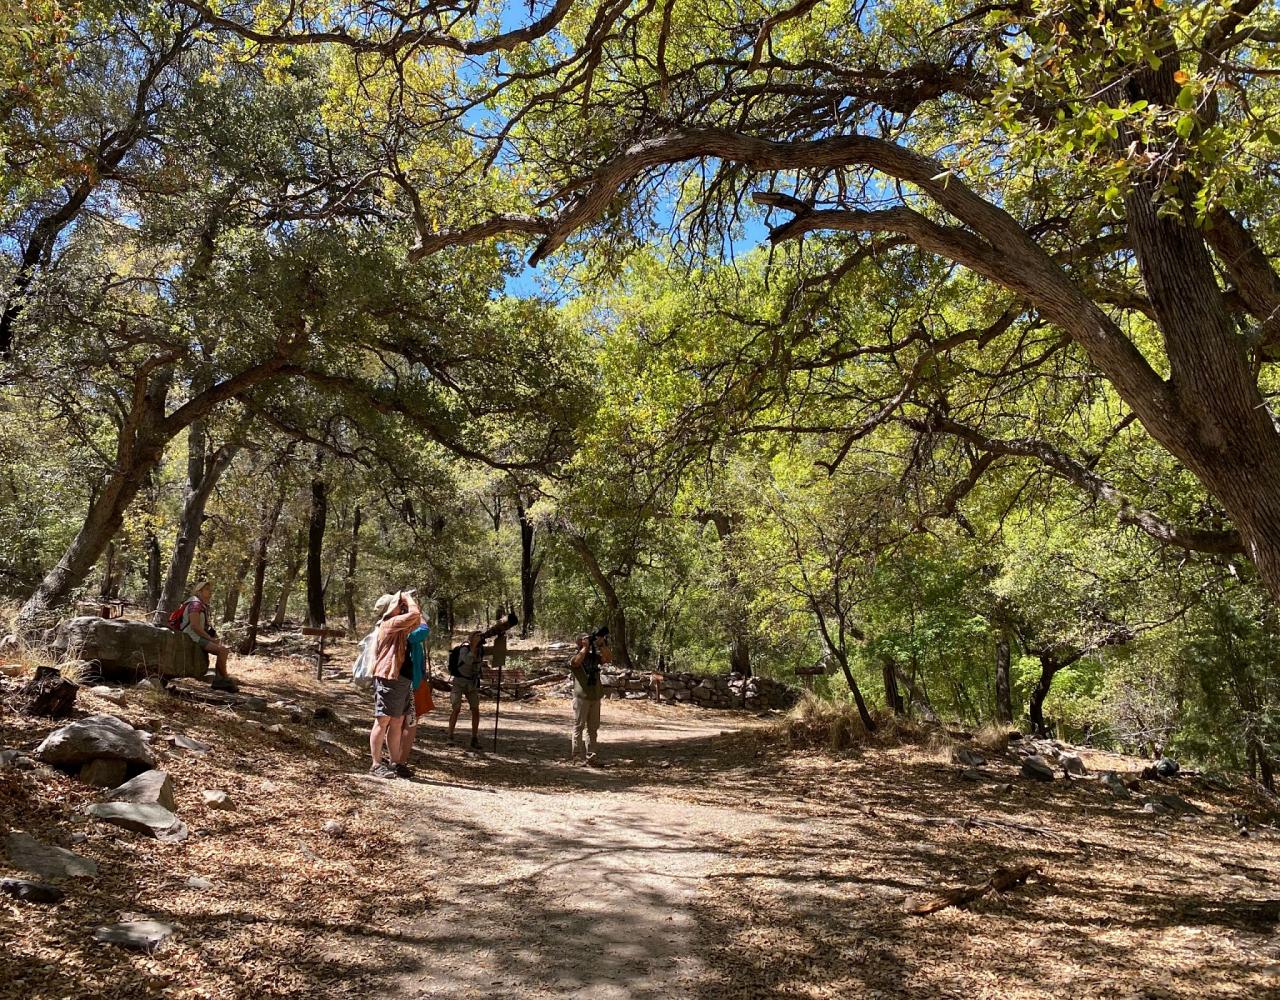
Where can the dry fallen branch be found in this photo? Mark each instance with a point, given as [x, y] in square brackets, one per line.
[1001, 879]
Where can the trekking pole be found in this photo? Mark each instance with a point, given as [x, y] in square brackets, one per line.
[497, 710]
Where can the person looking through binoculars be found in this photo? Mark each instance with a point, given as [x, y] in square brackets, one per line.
[588, 691]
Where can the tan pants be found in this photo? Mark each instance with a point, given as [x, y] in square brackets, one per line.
[586, 716]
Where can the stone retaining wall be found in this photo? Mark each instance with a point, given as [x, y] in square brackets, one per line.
[723, 691]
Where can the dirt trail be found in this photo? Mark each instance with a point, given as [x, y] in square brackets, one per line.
[581, 889]
[699, 863]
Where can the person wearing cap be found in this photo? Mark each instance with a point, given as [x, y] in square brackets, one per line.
[392, 680]
[466, 663]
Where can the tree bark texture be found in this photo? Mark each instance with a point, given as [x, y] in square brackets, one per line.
[1004, 698]
[203, 472]
[892, 696]
[295, 556]
[349, 584]
[530, 567]
[270, 518]
[315, 546]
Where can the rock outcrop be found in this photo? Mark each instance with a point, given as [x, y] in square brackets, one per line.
[123, 647]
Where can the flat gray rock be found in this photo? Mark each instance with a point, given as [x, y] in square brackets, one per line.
[146, 818]
[45, 860]
[93, 737]
[1037, 768]
[142, 935]
[148, 787]
[31, 892]
[114, 695]
[1173, 804]
[970, 758]
[196, 882]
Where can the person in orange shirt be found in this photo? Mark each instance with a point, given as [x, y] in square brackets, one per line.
[392, 680]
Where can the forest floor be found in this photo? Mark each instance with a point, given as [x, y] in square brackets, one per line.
[706, 858]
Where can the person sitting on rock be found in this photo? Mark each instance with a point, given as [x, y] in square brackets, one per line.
[196, 627]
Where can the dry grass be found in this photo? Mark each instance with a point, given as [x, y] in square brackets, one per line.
[993, 737]
[819, 723]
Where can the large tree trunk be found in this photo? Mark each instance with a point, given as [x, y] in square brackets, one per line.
[739, 636]
[315, 546]
[296, 555]
[1004, 697]
[1049, 666]
[892, 696]
[864, 714]
[349, 584]
[269, 520]
[203, 472]
[138, 450]
[232, 604]
[529, 569]
[613, 605]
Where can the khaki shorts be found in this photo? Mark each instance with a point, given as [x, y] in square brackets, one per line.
[462, 687]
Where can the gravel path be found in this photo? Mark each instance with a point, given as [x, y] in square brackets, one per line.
[567, 881]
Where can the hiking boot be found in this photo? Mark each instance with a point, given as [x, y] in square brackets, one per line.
[403, 771]
[475, 743]
[591, 760]
[382, 771]
[221, 683]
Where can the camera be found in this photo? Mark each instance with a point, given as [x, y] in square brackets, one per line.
[601, 633]
[510, 622]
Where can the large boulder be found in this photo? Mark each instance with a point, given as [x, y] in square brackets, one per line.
[129, 647]
[93, 737]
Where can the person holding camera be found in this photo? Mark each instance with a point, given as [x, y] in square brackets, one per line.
[588, 692]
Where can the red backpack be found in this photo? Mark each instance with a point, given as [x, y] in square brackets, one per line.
[176, 615]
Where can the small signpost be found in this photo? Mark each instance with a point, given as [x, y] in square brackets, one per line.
[808, 674]
[321, 635]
